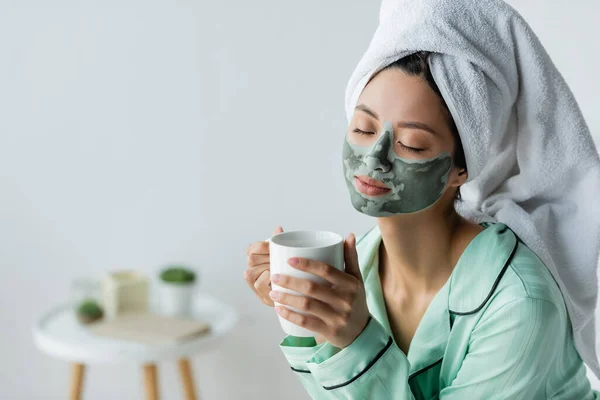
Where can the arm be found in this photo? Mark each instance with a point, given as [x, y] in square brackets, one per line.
[369, 367]
[358, 355]
[297, 351]
[509, 357]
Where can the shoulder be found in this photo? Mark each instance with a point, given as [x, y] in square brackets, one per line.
[496, 269]
[527, 281]
[516, 293]
[533, 276]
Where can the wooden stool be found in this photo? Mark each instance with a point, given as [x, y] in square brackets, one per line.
[150, 381]
[58, 334]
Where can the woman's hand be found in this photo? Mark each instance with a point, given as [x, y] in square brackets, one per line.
[258, 274]
[338, 310]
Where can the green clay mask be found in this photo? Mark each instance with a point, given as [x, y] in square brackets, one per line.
[414, 185]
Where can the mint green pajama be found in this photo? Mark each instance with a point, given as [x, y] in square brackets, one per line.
[497, 329]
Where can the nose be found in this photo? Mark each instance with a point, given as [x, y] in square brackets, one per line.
[377, 158]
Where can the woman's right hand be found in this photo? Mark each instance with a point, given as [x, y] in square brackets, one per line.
[258, 274]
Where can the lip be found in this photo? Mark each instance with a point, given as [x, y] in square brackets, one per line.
[369, 190]
[371, 181]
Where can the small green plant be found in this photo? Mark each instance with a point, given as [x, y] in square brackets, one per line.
[89, 311]
[178, 274]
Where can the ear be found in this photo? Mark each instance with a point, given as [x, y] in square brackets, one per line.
[460, 177]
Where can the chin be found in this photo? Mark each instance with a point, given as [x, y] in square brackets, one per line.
[360, 205]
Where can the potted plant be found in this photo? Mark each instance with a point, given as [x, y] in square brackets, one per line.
[176, 289]
[89, 311]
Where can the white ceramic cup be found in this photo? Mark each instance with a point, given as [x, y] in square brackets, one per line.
[327, 247]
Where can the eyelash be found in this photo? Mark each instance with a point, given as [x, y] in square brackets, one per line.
[414, 150]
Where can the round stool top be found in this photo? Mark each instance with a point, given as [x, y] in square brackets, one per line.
[59, 334]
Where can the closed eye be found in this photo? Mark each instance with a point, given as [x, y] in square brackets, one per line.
[361, 132]
[413, 149]
[407, 148]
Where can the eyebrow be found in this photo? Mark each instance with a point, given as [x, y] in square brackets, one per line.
[401, 124]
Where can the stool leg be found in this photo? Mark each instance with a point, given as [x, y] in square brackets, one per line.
[187, 378]
[151, 381]
[77, 374]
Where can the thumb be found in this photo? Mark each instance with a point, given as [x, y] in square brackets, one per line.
[279, 229]
[351, 257]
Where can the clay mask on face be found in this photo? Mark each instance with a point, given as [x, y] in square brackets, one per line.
[415, 184]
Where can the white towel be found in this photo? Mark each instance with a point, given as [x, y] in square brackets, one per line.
[531, 160]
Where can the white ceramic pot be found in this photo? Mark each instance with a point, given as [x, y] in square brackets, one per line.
[176, 299]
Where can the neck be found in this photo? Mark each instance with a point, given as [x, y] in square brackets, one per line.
[419, 251]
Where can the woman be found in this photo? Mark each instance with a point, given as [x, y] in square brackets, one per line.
[431, 305]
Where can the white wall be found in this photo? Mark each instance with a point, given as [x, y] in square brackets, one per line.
[137, 133]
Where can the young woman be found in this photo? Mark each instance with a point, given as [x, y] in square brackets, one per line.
[431, 305]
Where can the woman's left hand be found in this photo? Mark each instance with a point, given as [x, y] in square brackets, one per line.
[338, 310]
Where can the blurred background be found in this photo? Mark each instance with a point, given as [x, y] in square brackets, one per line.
[137, 133]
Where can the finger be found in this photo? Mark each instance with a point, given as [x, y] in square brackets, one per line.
[258, 248]
[262, 284]
[306, 321]
[251, 275]
[351, 257]
[277, 230]
[325, 271]
[339, 300]
[306, 304]
[266, 298]
[267, 301]
[254, 260]
[250, 283]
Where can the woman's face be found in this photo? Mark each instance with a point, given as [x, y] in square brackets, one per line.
[399, 139]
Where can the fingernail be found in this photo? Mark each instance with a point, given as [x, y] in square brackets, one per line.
[293, 261]
[274, 294]
[278, 309]
[275, 278]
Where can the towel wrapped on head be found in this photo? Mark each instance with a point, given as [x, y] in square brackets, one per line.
[532, 163]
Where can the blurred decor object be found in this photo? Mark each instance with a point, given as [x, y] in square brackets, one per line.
[57, 334]
[83, 289]
[124, 292]
[89, 311]
[176, 290]
[151, 329]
